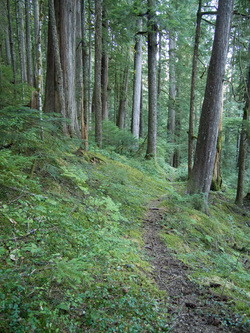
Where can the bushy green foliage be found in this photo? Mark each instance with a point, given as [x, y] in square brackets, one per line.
[121, 141]
[69, 256]
[10, 93]
[70, 234]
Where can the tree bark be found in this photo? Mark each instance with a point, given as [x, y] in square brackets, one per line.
[192, 94]
[21, 40]
[90, 72]
[79, 60]
[105, 62]
[55, 53]
[201, 175]
[36, 29]
[61, 76]
[123, 97]
[28, 46]
[85, 62]
[243, 145]
[152, 81]
[172, 93]
[12, 48]
[137, 82]
[159, 66]
[7, 47]
[217, 176]
[97, 105]
[141, 114]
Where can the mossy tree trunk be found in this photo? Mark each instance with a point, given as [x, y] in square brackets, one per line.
[202, 172]
[97, 98]
[243, 145]
[12, 48]
[192, 94]
[172, 93]
[123, 95]
[28, 45]
[152, 81]
[217, 175]
[55, 97]
[135, 128]
[105, 61]
[61, 81]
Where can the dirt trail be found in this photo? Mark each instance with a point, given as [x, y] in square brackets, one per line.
[193, 309]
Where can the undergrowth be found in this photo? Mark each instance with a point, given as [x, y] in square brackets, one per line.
[70, 235]
[71, 239]
[215, 247]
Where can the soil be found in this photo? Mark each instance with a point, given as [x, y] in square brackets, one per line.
[192, 308]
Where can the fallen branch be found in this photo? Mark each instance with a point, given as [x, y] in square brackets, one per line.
[31, 232]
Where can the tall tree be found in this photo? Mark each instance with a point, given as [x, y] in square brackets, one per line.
[97, 99]
[105, 61]
[217, 175]
[159, 65]
[86, 83]
[243, 143]
[152, 80]
[89, 110]
[201, 175]
[123, 95]
[28, 46]
[54, 70]
[64, 30]
[21, 40]
[36, 28]
[172, 93]
[137, 82]
[12, 46]
[192, 94]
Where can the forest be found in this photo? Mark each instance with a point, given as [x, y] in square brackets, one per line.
[124, 166]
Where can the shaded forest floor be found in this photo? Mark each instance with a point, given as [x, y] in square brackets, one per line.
[77, 256]
[193, 308]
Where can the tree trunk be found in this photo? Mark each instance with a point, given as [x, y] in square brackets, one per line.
[123, 97]
[85, 62]
[192, 94]
[159, 66]
[176, 154]
[7, 46]
[217, 176]
[172, 93]
[36, 28]
[152, 81]
[68, 46]
[141, 114]
[90, 72]
[21, 40]
[28, 47]
[97, 105]
[61, 63]
[79, 60]
[54, 67]
[137, 82]
[116, 94]
[105, 61]
[243, 145]
[12, 48]
[201, 175]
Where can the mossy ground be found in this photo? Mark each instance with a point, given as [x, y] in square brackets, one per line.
[71, 240]
[71, 237]
[216, 247]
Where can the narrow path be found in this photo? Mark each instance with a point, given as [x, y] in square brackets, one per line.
[193, 309]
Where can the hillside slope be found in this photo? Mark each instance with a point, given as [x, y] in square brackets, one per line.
[73, 257]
